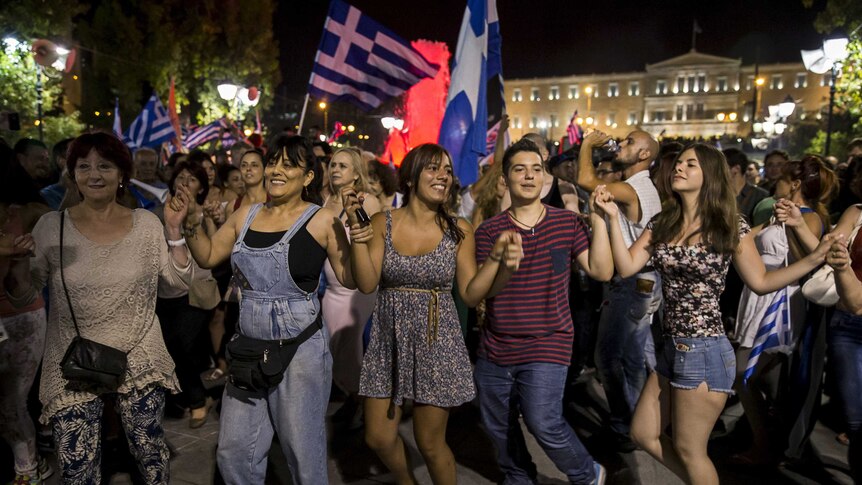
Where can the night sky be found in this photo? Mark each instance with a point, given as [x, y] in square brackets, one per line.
[553, 37]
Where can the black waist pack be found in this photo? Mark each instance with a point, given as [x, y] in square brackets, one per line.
[256, 365]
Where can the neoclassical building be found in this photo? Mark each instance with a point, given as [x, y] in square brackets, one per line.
[692, 95]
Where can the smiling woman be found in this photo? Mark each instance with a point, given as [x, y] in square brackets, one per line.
[112, 262]
[277, 251]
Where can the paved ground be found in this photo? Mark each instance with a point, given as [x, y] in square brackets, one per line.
[351, 462]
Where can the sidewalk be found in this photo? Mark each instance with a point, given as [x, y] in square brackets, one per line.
[351, 462]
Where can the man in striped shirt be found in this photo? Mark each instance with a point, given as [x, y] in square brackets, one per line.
[526, 343]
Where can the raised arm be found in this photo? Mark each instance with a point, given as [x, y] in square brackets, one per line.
[750, 266]
[627, 260]
[208, 251]
[623, 193]
[479, 281]
[846, 283]
[597, 261]
[366, 244]
[327, 224]
[803, 227]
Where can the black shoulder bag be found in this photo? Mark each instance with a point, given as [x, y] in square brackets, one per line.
[88, 365]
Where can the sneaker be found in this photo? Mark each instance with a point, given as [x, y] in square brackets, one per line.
[600, 472]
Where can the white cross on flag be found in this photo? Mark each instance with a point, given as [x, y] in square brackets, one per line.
[363, 62]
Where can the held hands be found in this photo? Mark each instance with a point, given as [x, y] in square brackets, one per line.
[602, 203]
[508, 250]
[214, 210]
[21, 246]
[788, 213]
[826, 246]
[182, 207]
[838, 256]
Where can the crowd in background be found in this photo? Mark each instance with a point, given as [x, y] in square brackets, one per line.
[653, 265]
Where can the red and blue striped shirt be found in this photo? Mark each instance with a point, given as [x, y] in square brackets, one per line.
[530, 320]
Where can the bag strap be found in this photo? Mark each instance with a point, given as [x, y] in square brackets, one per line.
[63, 275]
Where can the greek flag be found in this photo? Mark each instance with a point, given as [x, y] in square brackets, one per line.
[204, 134]
[151, 128]
[774, 333]
[363, 62]
[477, 59]
[118, 126]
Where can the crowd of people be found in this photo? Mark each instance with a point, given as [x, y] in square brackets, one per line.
[290, 273]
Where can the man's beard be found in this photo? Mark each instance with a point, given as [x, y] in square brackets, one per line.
[619, 165]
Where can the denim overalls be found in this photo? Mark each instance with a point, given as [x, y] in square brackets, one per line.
[274, 307]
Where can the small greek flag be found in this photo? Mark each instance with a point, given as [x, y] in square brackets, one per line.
[151, 128]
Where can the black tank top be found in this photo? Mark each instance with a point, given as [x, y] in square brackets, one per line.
[554, 197]
[304, 258]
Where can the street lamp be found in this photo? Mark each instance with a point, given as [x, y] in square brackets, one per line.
[227, 91]
[322, 105]
[389, 123]
[828, 58]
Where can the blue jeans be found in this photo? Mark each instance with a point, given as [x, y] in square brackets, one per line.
[623, 335]
[534, 390]
[296, 409]
[844, 338]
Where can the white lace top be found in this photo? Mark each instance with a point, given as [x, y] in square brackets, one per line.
[113, 291]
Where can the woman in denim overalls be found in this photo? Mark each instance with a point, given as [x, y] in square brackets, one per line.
[278, 301]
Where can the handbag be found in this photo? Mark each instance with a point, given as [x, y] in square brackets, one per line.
[88, 365]
[257, 365]
[820, 287]
[203, 293]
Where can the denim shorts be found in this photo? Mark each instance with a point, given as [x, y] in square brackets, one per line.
[687, 362]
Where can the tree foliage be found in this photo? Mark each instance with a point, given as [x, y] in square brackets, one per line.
[136, 46]
[845, 17]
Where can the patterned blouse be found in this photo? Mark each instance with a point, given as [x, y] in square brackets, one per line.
[692, 278]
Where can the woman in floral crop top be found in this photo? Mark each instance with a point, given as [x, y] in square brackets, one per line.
[691, 243]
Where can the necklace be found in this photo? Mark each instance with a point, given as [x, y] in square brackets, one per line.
[531, 228]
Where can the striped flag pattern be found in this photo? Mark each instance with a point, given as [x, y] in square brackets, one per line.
[363, 62]
[574, 131]
[152, 127]
[118, 127]
[774, 333]
[204, 134]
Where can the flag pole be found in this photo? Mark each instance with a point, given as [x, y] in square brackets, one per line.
[302, 116]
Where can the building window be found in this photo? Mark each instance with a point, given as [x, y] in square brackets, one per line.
[658, 116]
[661, 86]
[634, 89]
[777, 82]
[691, 85]
[698, 111]
[555, 93]
[721, 84]
[595, 89]
[613, 90]
[678, 112]
[573, 92]
[689, 112]
[516, 95]
[516, 122]
[633, 118]
[612, 119]
[801, 80]
[824, 81]
[534, 122]
[749, 83]
[554, 121]
[680, 85]
[701, 82]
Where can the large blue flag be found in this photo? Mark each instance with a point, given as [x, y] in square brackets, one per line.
[477, 59]
[362, 61]
[152, 127]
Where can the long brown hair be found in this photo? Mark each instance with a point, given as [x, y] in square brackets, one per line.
[408, 178]
[817, 182]
[716, 205]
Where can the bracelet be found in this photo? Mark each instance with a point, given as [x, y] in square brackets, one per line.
[492, 258]
[176, 243]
